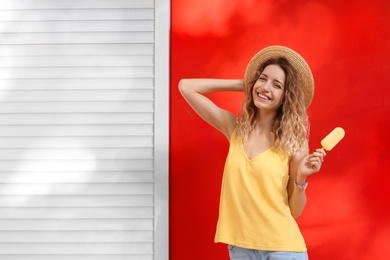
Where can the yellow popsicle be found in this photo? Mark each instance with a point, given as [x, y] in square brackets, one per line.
[333, 138]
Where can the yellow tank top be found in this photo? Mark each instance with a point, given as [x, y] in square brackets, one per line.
[254, 211]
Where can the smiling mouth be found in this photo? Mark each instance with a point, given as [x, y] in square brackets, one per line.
[263, 96]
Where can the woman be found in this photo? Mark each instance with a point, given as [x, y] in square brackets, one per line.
[266, 170]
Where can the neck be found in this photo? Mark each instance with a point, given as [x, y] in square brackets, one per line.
[265, 122]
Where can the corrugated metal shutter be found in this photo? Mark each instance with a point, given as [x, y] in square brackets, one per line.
[77, 130]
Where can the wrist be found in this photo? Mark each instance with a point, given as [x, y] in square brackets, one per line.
[301, 185]
[300, 178]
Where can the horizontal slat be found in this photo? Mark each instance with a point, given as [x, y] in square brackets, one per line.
[76, 61]
[77, 26]
[78, 38]
[75, 236]
[77, 49]
[76, 107]
[76, 142]
[77, 248]
[76, 200]
[76, 165]
[77, 72]
[76, 213]
[76, 224]
[73, 165]
[76, 118]
[78, 154]
[77, 14]
[73, 84]
[76, 130]
[79, 95]
[76, 177]
[74, 4]
[92, 256]
[77, 189]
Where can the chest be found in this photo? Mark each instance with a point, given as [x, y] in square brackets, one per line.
[267, 164]
[257, 144]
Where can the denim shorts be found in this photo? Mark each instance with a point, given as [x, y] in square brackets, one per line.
[238, 253]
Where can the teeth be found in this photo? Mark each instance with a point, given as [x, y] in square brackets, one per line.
[263, 96]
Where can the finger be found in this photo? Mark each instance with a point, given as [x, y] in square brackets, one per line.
[315, 166]
[320, 155]
[321, 151]
[315, 159]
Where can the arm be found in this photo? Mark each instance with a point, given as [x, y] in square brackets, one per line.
[194, 90]
[301, 166]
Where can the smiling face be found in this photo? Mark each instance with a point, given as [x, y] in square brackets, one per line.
[269, 88]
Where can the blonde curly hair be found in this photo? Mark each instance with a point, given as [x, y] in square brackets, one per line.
[291, 125]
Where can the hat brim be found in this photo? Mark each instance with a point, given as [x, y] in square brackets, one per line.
[305, 76]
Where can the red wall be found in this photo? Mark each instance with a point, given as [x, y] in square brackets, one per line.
[347, 44]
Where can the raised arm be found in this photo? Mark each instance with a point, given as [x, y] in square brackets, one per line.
[301, 166]
[194, 90]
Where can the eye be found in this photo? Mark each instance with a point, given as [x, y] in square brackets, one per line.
[262, 78]
[278, 86]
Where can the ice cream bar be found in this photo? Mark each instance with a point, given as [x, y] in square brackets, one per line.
[333, 138]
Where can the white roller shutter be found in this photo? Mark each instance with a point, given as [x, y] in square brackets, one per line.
[83, 138]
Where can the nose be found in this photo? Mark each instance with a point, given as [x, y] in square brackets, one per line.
[267, 86]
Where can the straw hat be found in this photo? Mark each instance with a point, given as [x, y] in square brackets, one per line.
[305, 76]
